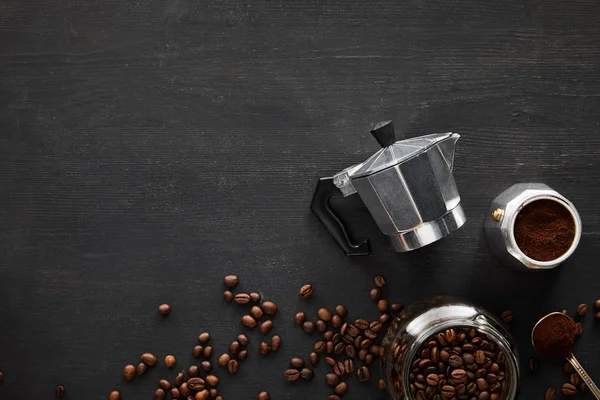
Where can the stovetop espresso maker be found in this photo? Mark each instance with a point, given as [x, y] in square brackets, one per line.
[407, 186]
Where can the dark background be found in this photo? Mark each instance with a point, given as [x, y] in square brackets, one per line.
[149, 148]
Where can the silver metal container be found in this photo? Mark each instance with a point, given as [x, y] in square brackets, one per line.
[500, 224]
[416, 323]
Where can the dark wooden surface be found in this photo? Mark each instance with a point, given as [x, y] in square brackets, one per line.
[148, 148]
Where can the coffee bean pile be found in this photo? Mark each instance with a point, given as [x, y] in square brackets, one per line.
[459, 363]
[348, 347]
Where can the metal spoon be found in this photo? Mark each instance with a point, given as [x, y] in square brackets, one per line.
[570, 357]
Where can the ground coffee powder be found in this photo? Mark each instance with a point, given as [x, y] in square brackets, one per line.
[544, 230]
[554, 336]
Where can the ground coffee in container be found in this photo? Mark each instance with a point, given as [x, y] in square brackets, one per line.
[530, 226]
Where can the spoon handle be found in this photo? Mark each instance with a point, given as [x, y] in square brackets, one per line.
[584, 375]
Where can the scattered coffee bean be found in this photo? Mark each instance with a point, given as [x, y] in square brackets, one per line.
[129, 372]
[381, 384]
[300, 317]
[228, 296]
[597, 304]
[179, 379]
[308, 326]
[242, 298]
[330, 361]
[159, 394]
[350, 351]
[397, 307]
[208, 352]
[582, 309]
[306, 373]
[384, 318]
[379, 281]
[149, 359]
[213, 392]
[575, 379]
[231, 281]
[339, 348]
[533, 364]
[224, 359]
[349, 366]
[306, 291]
[264, 348]
[175, 393]
[243, 339]
[550, 394]
[364, 374]
[212, 380]
[336, 321]
[59, 392]
[330, 347]
[375, 294]
[361, 324]
[242, 355]
[341, 388]
[202, 395]
[362, 354]
[164, 309]
[248, 321]
[291, 375]
[115, 395]
[369, 358]
[195, 384]
[266, 326]
[321, 325]
[338, 368]
[597, 316]
[342, 311]
[141, 368]
[193, 371]
[263, 396]
[256, 312]
[578, 329]
[324, 314]
[205, 365]
[1, 376]
[382, 305]
[204, 337]
[297, 362]
[313, 359]
[328, 335]
[255, 297]
[275, 342]
[233, 366]
[184, 389]
[320, 346]
[507, 316]
[269, 308]
[164, 384]
[568, 389]
[332, 379]
[198, 351]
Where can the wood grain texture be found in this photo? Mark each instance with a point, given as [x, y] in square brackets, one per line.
[148, 148]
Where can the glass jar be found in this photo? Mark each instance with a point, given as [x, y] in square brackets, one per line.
[418, 322]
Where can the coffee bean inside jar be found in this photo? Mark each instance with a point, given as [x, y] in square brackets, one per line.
[444, 349]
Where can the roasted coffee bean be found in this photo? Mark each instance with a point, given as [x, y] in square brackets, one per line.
[468, 358]
[384, 318]
[336, 321]
[184, 390]
[357, 341]
[308, 326]
[350, 351]
[448, 391]
[228, 296]
[597, 304]
[328, 335]
[263, 396]
[507, 316]
[313, 359]
[266, 326]
[451, 336]
[597, 316]
[459, 376]
[234, 347]
[375, 326]
[231, 281]
[213, 392]
[193, 371]
[382, 305]
[375, 294]
[59, 391]
[269, 308]
[362, 354]
[256, 312]
[205, 365]
[349, 366]
[320, 347]
[338, 368]
[455, 361]
[149, 359]
[435, 355]
[224, 359]
[578, 329]
[306, 291]
[582, 309]
[179, 379]
[248, 321]
[291, 375]
[433, 379]
[484, 396]
[300, 317]
[297, 363]
[202, 395]
[344, 328]
[379, 281]
[366, 343]
[321, 325]
[330, 347]
[479, 357]
[324, 314]
[243, 354]
[336, 338]
[575, 379]
[363, 374]
[129, 372]
[568, 389]
[306, 373]
[208, 352]
[242, 298]
[140, 369]
[341, 310]
[330, 361]
[159, 394]
[164, 384]
[255, 297]
[243, 339]
[164, 309]
[369, 334]
[482, 385]
[347, 339]
[369, 358]
[116, 395]
[275, 342]
[352, 330]
[233, 366]
[332, 379]
[397, 307]
[341, 388]
[533, 364]
[198, 351]
[375, 350]
[195, 384]
[361, 324]
[212, 380]
[264, 348]
[550, 394]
